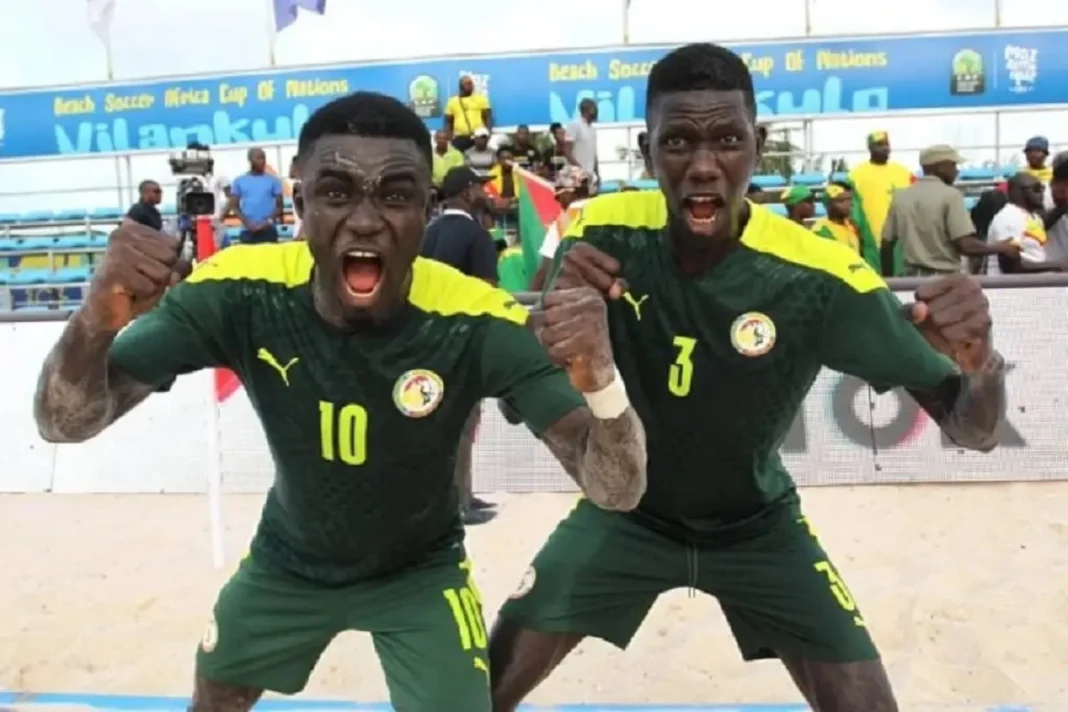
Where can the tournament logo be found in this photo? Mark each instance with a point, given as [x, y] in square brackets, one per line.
[418, 392]
[211, 636]
[526, 584]
[968, 77]
[753, 334]
[424, 97]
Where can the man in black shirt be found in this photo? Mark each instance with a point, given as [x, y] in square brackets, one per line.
[144, 211]
[457, 238]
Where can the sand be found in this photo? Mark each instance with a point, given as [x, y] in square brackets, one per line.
[964, 587]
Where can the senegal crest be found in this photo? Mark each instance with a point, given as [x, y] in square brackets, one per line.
[753, 334]
[418, 392]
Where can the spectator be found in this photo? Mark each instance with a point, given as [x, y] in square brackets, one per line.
[144, 211]
[1056, 204]
[458, 239]
[480, 157]
[466, 113]
[446, 157]
[503, 179]
[875, 181]
[256, 199]
[1036, 151]
[555, 157]
[526, 153]
[1019, 223]
[511, 268]
[838, 225]
[931, 222]
[800, 203]
[581, 142]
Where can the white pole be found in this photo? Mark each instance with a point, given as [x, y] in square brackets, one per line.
[272, 35]
[626, 22]
[997, 13]
[808, 17]
[214, 475]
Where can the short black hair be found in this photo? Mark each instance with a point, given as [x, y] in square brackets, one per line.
[145, 184]
[555, 125]
[366, 113]
[697, 67]
[506, 148]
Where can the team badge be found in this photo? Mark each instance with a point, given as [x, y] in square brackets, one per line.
[526, 584]
[753, 334]
[211, 637]
[418, 392]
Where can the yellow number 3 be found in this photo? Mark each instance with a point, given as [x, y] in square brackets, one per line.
[680, 375]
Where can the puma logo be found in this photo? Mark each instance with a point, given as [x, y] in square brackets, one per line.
[268, 358]
[636, 304]
[855, 267]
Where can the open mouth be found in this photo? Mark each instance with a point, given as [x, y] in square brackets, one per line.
[702, 211]
[363, 272]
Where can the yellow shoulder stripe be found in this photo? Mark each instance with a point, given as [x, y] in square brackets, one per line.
[790, 242]
[440, 289]
[632, 208]
[288, 264]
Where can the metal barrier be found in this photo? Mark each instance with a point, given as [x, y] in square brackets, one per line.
[897, 284]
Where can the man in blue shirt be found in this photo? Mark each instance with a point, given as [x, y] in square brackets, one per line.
[256, 199]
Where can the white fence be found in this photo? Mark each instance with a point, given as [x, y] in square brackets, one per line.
[845, 434]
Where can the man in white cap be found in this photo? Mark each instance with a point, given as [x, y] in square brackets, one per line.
[481, 157]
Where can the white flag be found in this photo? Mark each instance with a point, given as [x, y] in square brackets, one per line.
[100, 14]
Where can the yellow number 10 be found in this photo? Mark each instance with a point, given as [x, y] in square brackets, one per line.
[343, 433]
[680, 374]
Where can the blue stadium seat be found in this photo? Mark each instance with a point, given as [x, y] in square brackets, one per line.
[233, 232]
[9, 217]
[70, 275]
[285, 232]
[70, 214]
[169, 209]
[769, 181]
[74, 242]
[8, 244]
[98, 241]
[970, 201]
[610, 186]
[839, 177]
[809, 179]
[40, 243]
[5, 277]
[26, 307]
[777, 208]
[28, 277]
[979, 174]
[288, 204]
[645, 184]
[821, 210]
[105, 214]
[32, 216]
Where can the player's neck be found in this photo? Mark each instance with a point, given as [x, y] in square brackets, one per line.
[696, 256]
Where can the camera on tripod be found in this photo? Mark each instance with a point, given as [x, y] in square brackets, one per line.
[193, 166]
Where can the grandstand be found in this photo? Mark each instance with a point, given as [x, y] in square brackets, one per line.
[47, 256]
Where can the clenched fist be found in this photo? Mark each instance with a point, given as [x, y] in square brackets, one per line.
[139, 265]
[573, 326]
[586, 266]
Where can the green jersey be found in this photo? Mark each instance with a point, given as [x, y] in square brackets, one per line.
[718, 365]
[363, 426]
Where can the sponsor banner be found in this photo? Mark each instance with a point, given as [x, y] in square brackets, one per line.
[845, 434]
[794, 78]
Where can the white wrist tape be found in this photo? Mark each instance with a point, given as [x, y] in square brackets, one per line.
[609, 402]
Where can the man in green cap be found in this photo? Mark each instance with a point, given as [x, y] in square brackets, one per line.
[800, 203]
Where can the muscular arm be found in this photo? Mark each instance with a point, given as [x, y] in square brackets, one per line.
[970, 407]
[79, 393]
[606, 458]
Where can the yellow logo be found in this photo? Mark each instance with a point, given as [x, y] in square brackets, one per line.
[268, 358]
[418, 392]
[636, 304]
[211, 637]
[753, 334]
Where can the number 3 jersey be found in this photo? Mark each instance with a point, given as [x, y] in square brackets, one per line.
[363, 426]
[718, 365]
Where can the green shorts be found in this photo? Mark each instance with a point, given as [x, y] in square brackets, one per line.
[600, 572]
[269, 629]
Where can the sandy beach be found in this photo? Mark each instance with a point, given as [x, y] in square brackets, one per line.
[965, 588]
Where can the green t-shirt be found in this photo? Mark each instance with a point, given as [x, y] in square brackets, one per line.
[717, 366]
[363, 427]
[511, 271]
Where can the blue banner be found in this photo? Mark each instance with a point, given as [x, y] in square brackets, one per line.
[793, 78]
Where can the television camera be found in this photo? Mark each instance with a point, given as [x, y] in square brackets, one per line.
[192, 167]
